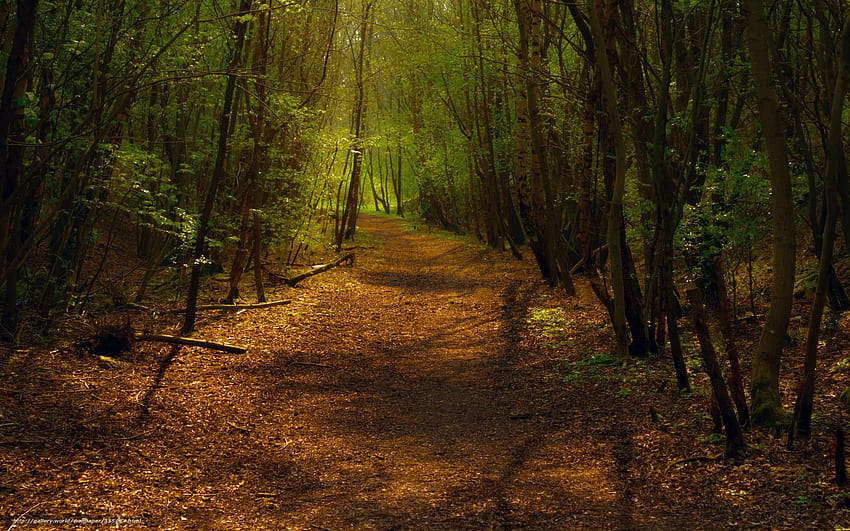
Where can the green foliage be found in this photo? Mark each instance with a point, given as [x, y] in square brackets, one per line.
[845, 397]
[140, 188]
[841, 366]
[600, 360]
[807, 279]
[548, 321]
[590, 367]
[735, 202]
[713, 438]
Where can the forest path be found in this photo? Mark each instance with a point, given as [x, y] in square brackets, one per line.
[405, 407]
[407, 392]
[435, 385]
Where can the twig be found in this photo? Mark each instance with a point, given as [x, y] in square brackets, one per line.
[237, 427]
[309, 364]
[700, 458]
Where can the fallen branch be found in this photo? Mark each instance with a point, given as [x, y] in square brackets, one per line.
[309, 364]
[695, 459]
[177, 340]
[347, 259]
[235, 307]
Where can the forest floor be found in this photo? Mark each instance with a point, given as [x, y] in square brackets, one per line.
[433, 385]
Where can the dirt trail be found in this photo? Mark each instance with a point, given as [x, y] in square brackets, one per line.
[402, 393]
[416, 418]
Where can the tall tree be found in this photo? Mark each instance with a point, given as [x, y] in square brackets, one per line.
[615, 209]
[534, 183]
[240, 26]
[12, 132]
[764, 398]
[835, 160]
[351, 204]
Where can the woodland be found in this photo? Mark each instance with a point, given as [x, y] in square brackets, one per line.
[680, 161]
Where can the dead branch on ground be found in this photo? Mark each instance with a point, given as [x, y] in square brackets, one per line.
[178, 340]
[345, 260]
[235, 307]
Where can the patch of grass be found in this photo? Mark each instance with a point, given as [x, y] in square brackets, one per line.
[549, 321]
[600, 359]
[841, 366]
[588, 367]
[712, 438]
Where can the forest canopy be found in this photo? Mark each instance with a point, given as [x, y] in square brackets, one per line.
[654, 147]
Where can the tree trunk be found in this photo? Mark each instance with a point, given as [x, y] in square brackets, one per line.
[840, 459]
[735, 379]
[835, 154]
[615, 210]
[734, 435]
[257, 250]
[351, 205]
[764, 397]
[397, 182]
[240, 27]
[11, 158]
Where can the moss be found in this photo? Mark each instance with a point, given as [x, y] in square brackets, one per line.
[766, 408]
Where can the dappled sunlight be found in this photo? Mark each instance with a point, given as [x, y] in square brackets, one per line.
[383, 396]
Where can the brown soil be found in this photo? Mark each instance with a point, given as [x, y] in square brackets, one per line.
[424, 388]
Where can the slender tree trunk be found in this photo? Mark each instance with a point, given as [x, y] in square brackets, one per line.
[840, 458]
[835, 158]
[735, 379]
[257, 250]
[734, 435]
[615, 212]
[764, 397]
[217, 176]
[351, 205]
[529, 195]
[397, 182]
[258, 162]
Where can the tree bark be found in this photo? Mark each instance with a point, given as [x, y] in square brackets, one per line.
[177, 340]
[840, 459]
[764, 397]
[351, 205]
[257, 254]
[615, 209]
[735, 379]
[734, 435]
[11, 159]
